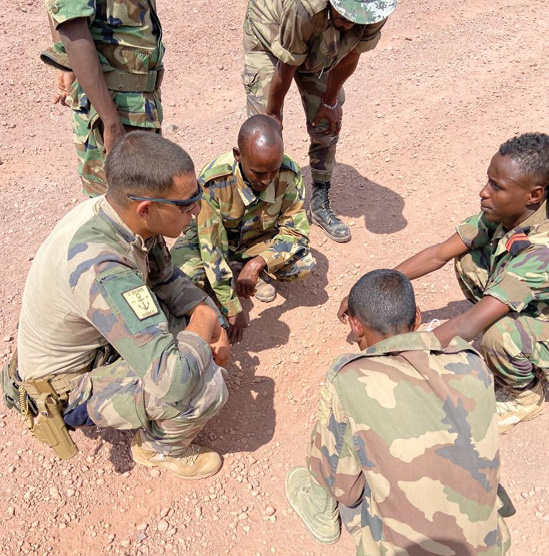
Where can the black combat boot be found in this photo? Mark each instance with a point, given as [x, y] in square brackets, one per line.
[322, 214]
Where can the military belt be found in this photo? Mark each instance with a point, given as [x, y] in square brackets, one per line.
[123, 81]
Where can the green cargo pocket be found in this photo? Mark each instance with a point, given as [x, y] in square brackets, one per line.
[116, 401]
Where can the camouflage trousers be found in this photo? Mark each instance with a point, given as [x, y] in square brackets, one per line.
[87, 130]
[515, 347]
[259, 67]
[186, 255]
[115, 397]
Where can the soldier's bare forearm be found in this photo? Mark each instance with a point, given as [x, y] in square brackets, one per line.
[204, 323]
[470, 324]
[280, 85]
[432, 258]
[340, 74]
[84, 60]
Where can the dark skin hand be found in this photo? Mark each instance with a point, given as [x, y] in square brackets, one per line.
[84, 61]
[65, 79]
[336, 79]
[248, 277]
[237, 323]
[282, 80]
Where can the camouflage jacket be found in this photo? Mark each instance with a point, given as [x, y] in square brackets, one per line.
[232, 217]
[518, 259]
[109, 286]
[128, 37]
[301, 33]
[409, 429]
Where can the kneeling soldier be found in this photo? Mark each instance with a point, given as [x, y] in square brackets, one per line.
[111, 333]
[252, 213]
[405, 438]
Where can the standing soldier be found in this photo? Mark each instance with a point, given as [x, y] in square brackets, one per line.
[113, 48]
[317, 43]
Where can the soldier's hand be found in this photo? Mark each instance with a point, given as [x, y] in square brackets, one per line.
[220, 348]
[65, 79]
[342, 312]
[277, 118]
[248, 277]
[237, 323]
[111, 133]
[331, 117]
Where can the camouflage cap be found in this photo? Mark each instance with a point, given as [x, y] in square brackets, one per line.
[364, 11]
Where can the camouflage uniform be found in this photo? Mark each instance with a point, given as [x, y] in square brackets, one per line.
[236, 224]
[300, 33]
[111, 287]
[128, 39]
[406, 435]
[511, 266]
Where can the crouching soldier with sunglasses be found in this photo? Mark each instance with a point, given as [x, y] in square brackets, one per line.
[111, 333]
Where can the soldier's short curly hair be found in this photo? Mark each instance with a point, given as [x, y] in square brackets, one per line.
[144, 163]
[384, 301]
[531, 150]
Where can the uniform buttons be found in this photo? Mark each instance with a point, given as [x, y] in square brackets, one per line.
[55, 9]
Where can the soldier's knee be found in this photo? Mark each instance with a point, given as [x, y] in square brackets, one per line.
[499, 339]
[298, 268]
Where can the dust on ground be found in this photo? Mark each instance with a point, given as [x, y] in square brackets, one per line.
[424, 113]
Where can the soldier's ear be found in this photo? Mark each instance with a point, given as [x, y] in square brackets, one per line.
[536, 195]
[417, 322]
[357, 328]
[236, 154]
[143, 210]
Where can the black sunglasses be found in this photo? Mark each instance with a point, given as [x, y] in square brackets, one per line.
[177, 202]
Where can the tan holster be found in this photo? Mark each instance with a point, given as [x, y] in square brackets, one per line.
[49, 397]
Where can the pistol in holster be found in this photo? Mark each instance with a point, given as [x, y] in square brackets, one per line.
[48, 425]
[42, 402]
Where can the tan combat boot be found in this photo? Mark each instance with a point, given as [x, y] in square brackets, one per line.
[514, 406]
[197, 462]
[264, 290]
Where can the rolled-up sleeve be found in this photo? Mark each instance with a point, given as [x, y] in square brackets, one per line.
[370, 37]
[476, 231]
[291, 45]
[523, 280]
[61, 11]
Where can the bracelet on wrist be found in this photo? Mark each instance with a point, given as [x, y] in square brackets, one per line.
[329, 106]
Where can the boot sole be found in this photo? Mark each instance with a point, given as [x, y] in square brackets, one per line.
[332, 237]
[320, 540]
[506, 428]
[266, 299]
[147, 463]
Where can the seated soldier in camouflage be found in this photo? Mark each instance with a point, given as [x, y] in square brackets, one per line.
[114, 286]
[405, 439]
[502, 265]
[252, 213]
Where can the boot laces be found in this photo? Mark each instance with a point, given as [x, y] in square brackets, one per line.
[190, 455]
